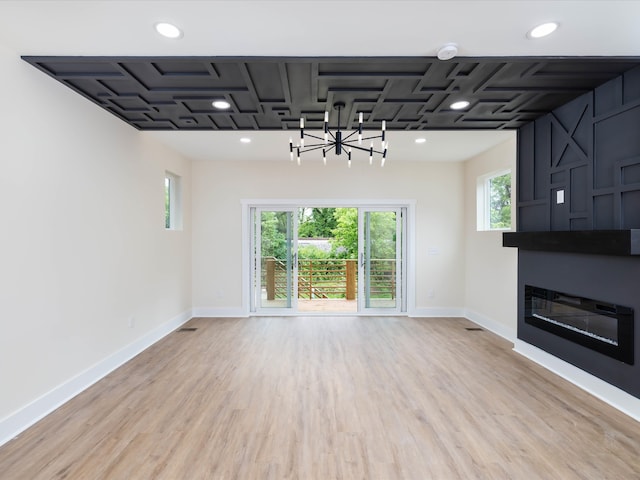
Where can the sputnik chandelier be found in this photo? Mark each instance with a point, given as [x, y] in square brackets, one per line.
[335, 141]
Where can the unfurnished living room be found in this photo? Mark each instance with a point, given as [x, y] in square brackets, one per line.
[252, 239]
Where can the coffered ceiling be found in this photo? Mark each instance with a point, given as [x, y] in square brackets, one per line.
[277, 60]
[267, 93]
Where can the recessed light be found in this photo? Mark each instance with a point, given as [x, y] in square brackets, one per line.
[168, 30]
[221, 104]
[245, 140]
[420, 140]
[459, 105]
[543, 30]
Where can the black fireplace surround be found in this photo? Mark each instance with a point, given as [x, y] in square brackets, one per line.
[569, 269]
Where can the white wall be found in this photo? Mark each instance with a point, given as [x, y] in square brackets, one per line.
[219, 187]
[491, 271]
[82, 246]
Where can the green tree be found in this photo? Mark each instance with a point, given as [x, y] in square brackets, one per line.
[382, 230]
[316, 222]
[274, 234]
[500, 201]
[344, 243]
[325, 222]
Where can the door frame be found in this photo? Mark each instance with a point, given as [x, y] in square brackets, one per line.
[408, 238]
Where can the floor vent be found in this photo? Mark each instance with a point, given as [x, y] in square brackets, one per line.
[188, 329]
[473, 329]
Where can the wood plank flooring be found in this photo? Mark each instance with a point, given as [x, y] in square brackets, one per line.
[329, 397]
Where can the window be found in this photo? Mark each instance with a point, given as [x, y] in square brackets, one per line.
[494, 201]
[172, 204]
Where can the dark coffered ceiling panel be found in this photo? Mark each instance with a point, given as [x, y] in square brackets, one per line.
[267, 93]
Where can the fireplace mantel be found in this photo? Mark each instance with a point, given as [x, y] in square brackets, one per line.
[594, 242]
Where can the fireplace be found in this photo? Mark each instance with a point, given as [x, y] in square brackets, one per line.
[601, 326]
[577, 295]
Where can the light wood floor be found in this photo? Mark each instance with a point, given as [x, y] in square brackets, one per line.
[329, 397]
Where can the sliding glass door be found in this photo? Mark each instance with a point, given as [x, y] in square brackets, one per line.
[275, 285]
[380, 259]
[355, 265]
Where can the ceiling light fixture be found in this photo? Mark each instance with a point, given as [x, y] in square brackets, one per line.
[447, 51]
[168, 30]
[245, 140]
[335, 141]
[221, 104]
[543, 30]
[459, 105]
[420, 140]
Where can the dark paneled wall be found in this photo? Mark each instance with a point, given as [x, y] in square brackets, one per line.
[590, 148]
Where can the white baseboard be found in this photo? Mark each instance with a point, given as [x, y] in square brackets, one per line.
[606, 392]
[212, 312]
[491, 325]
[22, 419]
[436, 312]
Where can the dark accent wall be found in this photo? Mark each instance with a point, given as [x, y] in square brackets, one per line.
[590, 148]
[612, 279]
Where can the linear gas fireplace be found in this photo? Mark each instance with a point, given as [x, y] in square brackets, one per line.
[600, 326]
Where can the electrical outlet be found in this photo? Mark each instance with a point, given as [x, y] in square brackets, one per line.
[132, 322]
[431, 293]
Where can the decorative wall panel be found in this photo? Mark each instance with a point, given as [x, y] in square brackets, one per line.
[590, 149]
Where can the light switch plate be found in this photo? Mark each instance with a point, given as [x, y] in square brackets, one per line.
[560, 196]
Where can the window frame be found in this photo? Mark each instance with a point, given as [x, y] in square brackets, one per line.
[483, 216]
[173, 204]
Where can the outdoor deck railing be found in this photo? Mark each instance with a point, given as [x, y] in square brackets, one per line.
[329, 278]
